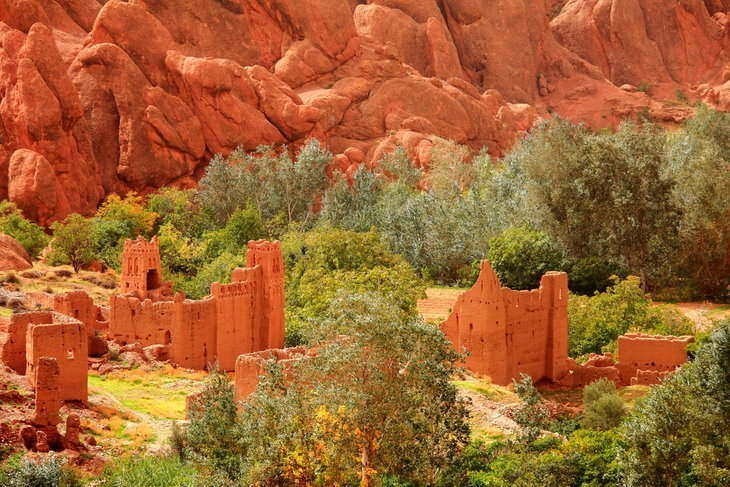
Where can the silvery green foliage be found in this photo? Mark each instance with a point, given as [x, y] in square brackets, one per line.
[267, 179]
[699, 162]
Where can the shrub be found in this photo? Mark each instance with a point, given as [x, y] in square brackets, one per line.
[604, 408]
[27, 233]
[521, 256]
[50, 471]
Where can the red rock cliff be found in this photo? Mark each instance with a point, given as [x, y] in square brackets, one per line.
[100, 97]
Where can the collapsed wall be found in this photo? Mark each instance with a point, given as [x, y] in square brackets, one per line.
[507, 332]
[647, 359]
[250, 367]
[51, 334]
[642, 360]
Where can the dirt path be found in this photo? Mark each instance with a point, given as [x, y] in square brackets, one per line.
[438, 303]
[704, 314]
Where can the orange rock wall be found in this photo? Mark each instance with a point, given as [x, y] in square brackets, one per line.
[509, 332]
[132, 320]
[76, 304]
[14, 349]
[54, 335]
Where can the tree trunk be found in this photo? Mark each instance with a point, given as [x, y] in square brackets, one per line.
[365, 480]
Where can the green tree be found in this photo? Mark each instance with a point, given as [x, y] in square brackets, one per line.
[323, 262]
[700, 164]
[521, 256]
[245, 224]
[531, 415]
[600, 194]
[118, 219]
[269, 180]
[677, 435]
[28, 234]
[73, 241]
[212, 434]
[376, 400]
[179, 209]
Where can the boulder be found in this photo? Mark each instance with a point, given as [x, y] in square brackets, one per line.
[13, 257]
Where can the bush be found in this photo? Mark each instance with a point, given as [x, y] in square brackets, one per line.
[597, 321]
[604, 408]
[521, 256]
[50, 471]
[27, 233]
[149, 471]
[586, 458]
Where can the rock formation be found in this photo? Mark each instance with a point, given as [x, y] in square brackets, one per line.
[13, 257]
[100, 97]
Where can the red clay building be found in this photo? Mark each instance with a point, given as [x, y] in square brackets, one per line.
[244, 316]
[509, 332]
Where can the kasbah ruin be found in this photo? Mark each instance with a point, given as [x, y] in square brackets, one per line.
[240, 326]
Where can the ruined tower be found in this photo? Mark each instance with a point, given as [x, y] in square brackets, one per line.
[142, 270]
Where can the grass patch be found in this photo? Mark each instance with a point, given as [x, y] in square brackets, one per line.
[159, 393]
[487, 389]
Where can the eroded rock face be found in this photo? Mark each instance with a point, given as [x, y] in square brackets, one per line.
[13, 256]
[100, 97]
